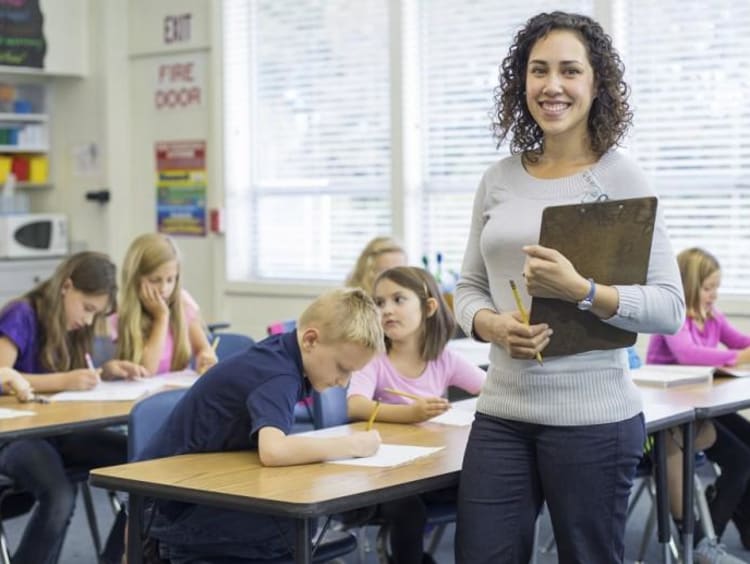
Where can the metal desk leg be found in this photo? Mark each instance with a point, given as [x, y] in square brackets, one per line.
[135, 526]
[662, 495]
[303, 549]
[688, 472]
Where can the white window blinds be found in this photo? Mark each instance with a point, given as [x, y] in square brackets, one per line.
[461, 48]
[307, 135]
[688, 64]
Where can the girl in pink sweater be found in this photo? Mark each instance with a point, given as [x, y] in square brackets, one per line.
[417, 324]
[708, 339]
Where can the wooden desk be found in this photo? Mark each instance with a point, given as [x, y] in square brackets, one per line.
[236, 480]
[711, 399]
[61, 417]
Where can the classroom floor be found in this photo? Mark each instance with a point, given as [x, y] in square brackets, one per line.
[78, 548]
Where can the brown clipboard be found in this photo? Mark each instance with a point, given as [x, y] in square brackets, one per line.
[608, 241]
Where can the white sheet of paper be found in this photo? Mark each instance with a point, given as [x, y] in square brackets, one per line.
[7, 413]
[455, 417]
[128, 390]
[474, 351]
[390, 455]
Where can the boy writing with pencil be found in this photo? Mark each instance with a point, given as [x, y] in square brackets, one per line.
[247, 401]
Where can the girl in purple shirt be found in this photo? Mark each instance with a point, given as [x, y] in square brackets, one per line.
[708, 339]
[417, 324]
[44, 337]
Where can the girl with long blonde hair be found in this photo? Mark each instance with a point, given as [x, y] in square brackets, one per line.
[380, 254]
[159, 324]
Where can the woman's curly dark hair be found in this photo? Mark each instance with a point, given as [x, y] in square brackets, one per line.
[610, 114]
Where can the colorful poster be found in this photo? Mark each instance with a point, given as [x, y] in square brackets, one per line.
[22, 42]
[181, 187]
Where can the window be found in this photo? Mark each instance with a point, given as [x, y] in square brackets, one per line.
[311, 86]
[688, 65]
[307, 135]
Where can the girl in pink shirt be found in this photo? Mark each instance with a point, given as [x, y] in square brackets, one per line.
[708, 339]
[159, 326]
[417, 324]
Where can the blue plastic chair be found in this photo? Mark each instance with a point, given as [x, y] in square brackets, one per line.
[329, 408]
[104, 349]
[231, 343]
[147, 416]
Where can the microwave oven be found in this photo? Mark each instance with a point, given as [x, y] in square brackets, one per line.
[31, 235]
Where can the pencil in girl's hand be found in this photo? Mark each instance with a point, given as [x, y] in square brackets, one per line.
[89, 362]
[371, 420]
[415, 397]
[522, 311]
[215, 343]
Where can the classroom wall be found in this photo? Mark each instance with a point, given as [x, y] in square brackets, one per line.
[105, 125]
[169, 52]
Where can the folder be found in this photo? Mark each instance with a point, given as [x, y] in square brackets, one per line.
[608, 241]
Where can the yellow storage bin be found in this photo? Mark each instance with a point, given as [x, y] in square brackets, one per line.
[38, 169]
[5, 164]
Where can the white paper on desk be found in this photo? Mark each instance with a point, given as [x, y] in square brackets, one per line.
[8, 413]
[390, 455]
[668, 375]
[327, 433]
[128, 390]
[454, 417]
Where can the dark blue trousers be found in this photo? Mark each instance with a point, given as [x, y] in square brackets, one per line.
[38, 467]
[731, 452]
[203, 534]
[584, 473]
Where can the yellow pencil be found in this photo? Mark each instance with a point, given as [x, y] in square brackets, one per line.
[522, 311]
[403, 394]
[215, 343]
[371, 420]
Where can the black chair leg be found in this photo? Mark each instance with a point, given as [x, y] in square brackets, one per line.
[88, 503]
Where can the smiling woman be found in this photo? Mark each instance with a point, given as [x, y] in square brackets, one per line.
[552, 432]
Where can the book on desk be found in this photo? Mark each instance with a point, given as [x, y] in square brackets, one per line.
[669, 375]
[739, 371]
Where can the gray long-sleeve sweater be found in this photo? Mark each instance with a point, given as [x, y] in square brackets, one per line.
[582, 389]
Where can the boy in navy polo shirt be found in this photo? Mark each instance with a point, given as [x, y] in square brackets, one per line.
[247, 401]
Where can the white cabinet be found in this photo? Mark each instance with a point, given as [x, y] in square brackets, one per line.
[19, 276]
[24, 132]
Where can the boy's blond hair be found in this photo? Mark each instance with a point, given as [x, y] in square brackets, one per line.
[345, 315]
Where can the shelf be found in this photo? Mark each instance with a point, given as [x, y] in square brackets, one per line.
[20, 149]
[22, 118]
[33, 185]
